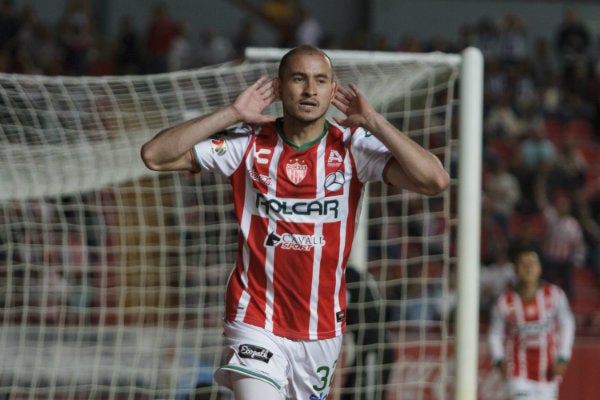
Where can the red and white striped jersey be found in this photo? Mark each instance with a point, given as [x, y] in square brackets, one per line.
[297, 208]
[563, 240]
[531, 334]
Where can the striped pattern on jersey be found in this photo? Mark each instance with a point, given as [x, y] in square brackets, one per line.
[297, 210]
[532, 331]
[564, 237]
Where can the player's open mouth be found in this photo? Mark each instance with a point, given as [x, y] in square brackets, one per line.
[308, 105]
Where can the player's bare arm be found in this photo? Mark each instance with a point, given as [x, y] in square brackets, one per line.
[169, 149]
[413, 167]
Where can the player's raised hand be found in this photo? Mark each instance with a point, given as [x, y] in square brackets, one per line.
[354, 105]
[251, 103]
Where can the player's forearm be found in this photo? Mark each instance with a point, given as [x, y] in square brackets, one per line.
[417, 169]
[168, 149]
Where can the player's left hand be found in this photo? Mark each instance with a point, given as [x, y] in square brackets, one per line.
[559, 369]
[354, 105]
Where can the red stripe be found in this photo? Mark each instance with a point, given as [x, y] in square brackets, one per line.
[532, 357]
[257, 278]
[292, 283]
[327, 282]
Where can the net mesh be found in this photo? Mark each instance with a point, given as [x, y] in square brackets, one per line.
[112, 276]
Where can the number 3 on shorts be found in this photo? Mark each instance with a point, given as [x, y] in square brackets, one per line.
[326, 377]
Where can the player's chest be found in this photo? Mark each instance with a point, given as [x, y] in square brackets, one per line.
[320, 171]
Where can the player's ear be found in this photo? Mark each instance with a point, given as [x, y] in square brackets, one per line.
[277, 88]
[334, 87]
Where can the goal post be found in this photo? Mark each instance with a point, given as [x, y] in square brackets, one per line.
[112, 276]
[469, 220]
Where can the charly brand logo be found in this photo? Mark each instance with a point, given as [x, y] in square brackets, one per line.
[218, 146]
[258, 156]
[296, 170]
[255, 352]
[334, 181]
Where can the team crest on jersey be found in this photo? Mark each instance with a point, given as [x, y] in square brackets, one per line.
[296, 170]
[218, 146]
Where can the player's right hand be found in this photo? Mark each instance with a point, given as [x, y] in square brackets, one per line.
[251, 103]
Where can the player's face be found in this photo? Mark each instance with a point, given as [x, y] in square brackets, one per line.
[528, 268]
[307, 88]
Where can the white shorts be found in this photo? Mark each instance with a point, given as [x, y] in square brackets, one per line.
[525, 389]
[299, 369]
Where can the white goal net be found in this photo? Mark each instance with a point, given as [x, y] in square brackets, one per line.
[112, 276]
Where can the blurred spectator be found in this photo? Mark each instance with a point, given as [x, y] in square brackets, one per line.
[243, 38]
[494, 278]
[9, 23]
[280, 15]
[418, 298]
[563, 247]
[308, 29]
[180, 53]
[128, 51]
[161, 32]
[589, 217]
[501, 121]
[535, 151]
[427, 224]
[569, 168]
[513, 39]
[76, 35]
[213, 48]
[543, 62]
[502, 193]
[487, 39]
[572, 41]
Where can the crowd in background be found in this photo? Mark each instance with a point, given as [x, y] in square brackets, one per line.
[541, 106]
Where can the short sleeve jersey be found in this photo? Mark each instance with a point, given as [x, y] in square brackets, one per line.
[538, 331]
[297, 208]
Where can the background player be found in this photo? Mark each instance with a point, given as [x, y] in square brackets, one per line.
[531, 331]
[297, 185]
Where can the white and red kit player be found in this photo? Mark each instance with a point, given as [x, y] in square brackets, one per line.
[298, 209]
[297, 184]
[531, 332]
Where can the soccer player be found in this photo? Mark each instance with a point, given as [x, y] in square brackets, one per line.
[297, 183]
[531, 331]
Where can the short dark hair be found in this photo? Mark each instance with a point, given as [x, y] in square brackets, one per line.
[303, 49]
[520, 246]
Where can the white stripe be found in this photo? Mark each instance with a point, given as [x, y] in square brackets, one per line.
[521, 360]
[313, 327]
[542, 318]
[245, 222]
[343, 229]
[318, 251]
[270, 250]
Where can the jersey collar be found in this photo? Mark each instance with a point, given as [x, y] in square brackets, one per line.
[279, 126]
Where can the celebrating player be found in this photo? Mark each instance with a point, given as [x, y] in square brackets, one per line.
[297, 183]
[531, 332]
